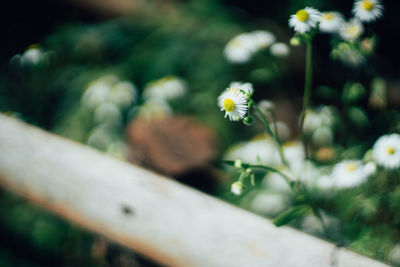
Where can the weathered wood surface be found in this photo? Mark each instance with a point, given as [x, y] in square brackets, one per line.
[170, 223]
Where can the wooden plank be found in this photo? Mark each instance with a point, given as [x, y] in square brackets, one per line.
[169, 222]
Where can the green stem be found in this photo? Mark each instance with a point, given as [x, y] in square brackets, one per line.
[284, 176]
[307, 90]
[270, 132]
[308, 78]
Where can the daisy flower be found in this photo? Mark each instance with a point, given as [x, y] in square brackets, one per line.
[240, 48]
[234, 103]
[349, 173]
[367, 10]
[386, 151]
[352, 30]
[304, 19]
[247, 88]
[331, 22]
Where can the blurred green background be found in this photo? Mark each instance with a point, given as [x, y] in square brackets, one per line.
[82, 43]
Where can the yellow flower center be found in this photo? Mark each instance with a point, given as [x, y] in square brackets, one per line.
[391, 150]
[302, 15]
[367, 5]
[328, 16]
[353, 30]
[236, 43]
[351, 167]
[229, 105]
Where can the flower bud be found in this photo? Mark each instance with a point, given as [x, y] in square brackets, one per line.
[248, 120]
[295, 41]
[238, 164]
[237, 188]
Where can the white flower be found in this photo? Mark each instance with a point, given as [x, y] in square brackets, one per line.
[367, 10]
[259, 150]
[386, 151]
[101, 136]
[247, 88]
[262, 39]
[164, 89]
[31, 56]
[240, 48]
[352, 30]
[237, 188]
[331, 22]
[322, 136]
[370, 168]
[123, 94]
[234, 103]
[154, 108]
[269, 204]
[305, 19]
[294, 152]
[280, 50]
[349, 173]
[274, 181]
[348, 55]
[96, 94]
[107, 112]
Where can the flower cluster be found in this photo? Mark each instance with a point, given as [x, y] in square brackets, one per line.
[351, 50]
[106, 99]
[309, 18]
[242, 47]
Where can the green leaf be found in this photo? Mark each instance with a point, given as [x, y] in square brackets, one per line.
[290, 214]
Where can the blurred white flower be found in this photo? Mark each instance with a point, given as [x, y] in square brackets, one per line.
[118, 150]
[367, 10]
[349, 173]
[386, 151]
[240, 48]
[312, 224]
[352, 30]
[261, 150]
[348, 55]
[322, 136]
[266, 106]
[293, 151]
[280, 50]
[274, 182]
[96, 94]
[370, 168]
[153, 108]
[245, 87]
[262, 39]
[101, 136]
[167, 88]
[394, 255]
[331, 22]
[323, 116]
[269, 204]
[234, 103]
[305, 19]
[237, 188]
[107, 113]
[31, 56]
[123, 94]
